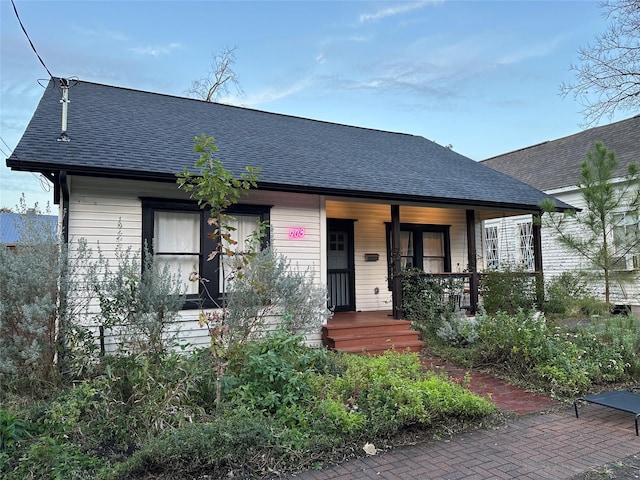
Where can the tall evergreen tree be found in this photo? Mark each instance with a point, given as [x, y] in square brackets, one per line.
[607, 230]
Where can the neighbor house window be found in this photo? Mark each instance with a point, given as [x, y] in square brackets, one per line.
[626, 238]
[178, 234]
[524, 237]
[491, 252]
[422, 246]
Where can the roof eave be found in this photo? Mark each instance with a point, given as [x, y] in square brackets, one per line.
[48, 168]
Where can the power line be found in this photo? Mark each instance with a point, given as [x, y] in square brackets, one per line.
[30, 42]
[5, 144]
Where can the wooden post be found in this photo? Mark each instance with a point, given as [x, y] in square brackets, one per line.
[396, 282]
[472, 262]
[537, 259]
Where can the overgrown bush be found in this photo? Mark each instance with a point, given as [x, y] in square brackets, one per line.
[459, 331]
[56, 459]
[274, 374]
[135, 398]
[568, 295]
[139, 300]
[239, 444]
[562, 362]
[28, 300]
[508, 290]
[427, 299]
[380, 395]
[269, 290]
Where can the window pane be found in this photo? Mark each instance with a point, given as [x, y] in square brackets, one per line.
[182, 266]
[177, 244]
[406, 249]
[245, 226]
[433, 244]
[433, 265]
[177, 232]
[491, 253]
[525, 245]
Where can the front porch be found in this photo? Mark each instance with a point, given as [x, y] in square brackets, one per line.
[370, 333]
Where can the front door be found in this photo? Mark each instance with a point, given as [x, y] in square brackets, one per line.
[340, 267]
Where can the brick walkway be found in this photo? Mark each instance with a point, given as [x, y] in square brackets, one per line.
[534, 445]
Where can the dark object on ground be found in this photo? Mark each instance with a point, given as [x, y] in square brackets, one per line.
[623, 400]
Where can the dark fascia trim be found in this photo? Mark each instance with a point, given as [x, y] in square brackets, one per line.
[279, 187]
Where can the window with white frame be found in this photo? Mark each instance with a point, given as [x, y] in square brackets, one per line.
[178, 234]
[491, 251]
[524, 237]
[626, 237]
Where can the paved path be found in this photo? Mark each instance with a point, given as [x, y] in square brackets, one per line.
[553, 445]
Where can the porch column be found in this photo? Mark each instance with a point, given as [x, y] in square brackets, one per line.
[537, 258]
[396, 283]
[472, 260]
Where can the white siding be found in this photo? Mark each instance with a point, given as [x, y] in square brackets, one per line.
[101, 208]
[556, 258]
[370, 237]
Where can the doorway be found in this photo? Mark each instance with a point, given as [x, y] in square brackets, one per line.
[340, 265]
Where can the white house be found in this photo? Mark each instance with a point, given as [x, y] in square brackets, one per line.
[554, 167]
[338, 198]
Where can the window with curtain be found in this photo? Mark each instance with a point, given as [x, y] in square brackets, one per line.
[422, 246]
[177, 233]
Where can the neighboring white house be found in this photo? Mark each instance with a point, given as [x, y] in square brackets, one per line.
[554, 167]
[338, 199]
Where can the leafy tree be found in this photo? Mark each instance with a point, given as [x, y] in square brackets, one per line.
[216, 188]
[608, 75]
[606, 208]
[220, 80]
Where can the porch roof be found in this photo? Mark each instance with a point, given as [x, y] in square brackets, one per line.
[124, 133]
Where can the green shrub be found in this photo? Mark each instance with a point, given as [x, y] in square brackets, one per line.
[460, 330]
[49, 458]
[508, 290]
[268, 286]
[273, 374]
[134, 399]
[242, 444]
[562, 362]
[568, 294]
[28, 300]
[12, 430]
[428, 299]
[139, 300]
[382, 394]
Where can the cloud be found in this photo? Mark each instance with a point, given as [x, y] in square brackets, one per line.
[270, 94]
[102, 33]
[531, 51]
[156, 51]
[397, 9]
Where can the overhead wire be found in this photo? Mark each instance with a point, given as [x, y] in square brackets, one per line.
[28, 38]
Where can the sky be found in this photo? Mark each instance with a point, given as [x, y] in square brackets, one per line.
[481, 76]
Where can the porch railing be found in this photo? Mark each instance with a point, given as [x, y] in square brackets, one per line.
[469, 295]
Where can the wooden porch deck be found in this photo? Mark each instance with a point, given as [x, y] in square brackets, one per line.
[369, 333]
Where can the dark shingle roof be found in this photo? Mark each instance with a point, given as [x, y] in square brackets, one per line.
[556, 164]
[129, 133]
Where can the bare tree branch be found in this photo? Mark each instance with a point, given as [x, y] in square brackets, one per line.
[608, 75]
[222, 79]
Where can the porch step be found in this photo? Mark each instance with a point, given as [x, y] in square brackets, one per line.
[372, 337]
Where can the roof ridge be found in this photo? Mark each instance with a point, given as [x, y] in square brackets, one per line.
[240, 107]
[583, 132]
